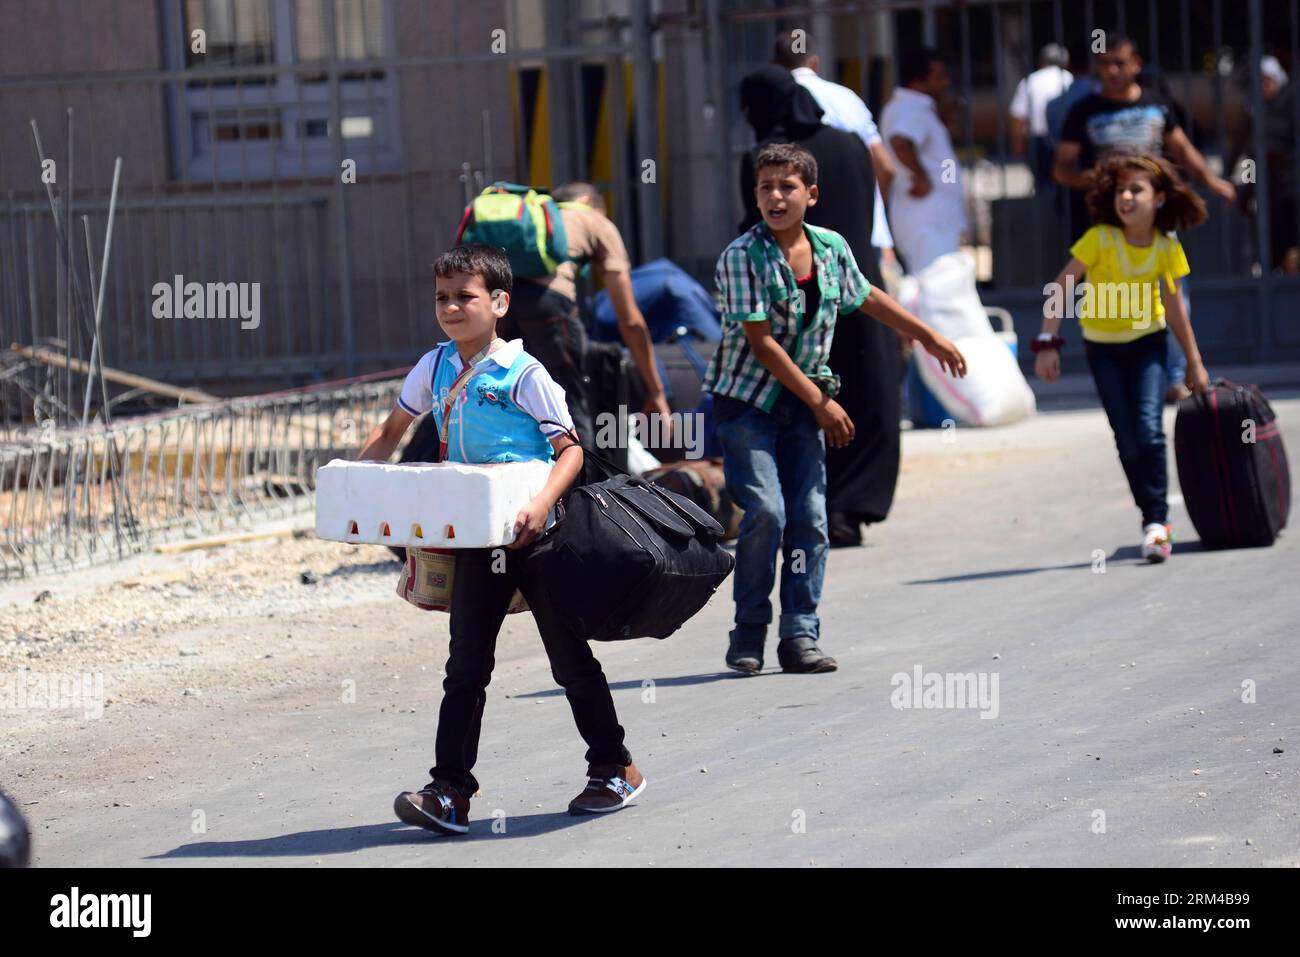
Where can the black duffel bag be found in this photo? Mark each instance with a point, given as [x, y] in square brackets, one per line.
[627, 558]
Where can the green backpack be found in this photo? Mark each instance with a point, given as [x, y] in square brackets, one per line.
[524, 222]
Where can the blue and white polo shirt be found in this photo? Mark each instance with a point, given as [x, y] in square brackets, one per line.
[497, 416]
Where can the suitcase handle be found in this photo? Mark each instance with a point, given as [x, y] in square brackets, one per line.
[1250, 389]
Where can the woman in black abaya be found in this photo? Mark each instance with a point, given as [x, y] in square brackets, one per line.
[860, 477]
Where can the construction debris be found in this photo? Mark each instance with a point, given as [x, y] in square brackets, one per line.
[50, 357]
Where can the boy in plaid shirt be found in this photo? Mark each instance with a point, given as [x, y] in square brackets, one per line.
[781, 286]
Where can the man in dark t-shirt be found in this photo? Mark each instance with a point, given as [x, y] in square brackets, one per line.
[1098, 126]
[1122, 115]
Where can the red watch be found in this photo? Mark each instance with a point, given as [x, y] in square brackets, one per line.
[1044, 343]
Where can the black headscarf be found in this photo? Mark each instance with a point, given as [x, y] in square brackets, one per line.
[777, 105]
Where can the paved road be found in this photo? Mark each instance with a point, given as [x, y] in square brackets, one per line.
[1119, 691]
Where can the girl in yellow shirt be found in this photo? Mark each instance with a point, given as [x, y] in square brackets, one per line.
[1127, 266]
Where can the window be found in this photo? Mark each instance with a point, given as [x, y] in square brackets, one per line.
[238, 32]
[360, 27]
[278, 124]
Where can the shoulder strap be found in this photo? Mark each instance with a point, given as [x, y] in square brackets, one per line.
[457, 386]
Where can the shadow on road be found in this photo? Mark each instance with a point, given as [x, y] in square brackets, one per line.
[681, 681]
[345, 840]
[1124, 553]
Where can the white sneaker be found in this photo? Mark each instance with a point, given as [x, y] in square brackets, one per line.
[1157, 542]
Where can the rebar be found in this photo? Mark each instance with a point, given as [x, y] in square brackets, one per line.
[87, 496]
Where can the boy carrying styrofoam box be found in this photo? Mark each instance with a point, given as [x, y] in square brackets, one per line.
[491, 399]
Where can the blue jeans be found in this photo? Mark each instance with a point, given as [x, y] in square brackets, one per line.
[775, 465]
[1130, 379]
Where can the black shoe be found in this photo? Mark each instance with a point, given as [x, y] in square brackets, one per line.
[745, 656]
[843, 531]
[801, 656]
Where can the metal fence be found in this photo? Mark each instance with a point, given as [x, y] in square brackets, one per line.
[323, 151]
[1206, 56]
[102, 494]
[320, 151]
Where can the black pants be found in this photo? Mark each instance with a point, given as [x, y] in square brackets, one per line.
[861, 477]
[1283, 232]
[553, 334]
[1042, 156]
[480, 597]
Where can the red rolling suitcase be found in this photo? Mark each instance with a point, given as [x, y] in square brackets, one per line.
[1232, 466]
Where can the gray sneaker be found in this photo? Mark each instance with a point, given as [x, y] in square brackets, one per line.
[802, 656]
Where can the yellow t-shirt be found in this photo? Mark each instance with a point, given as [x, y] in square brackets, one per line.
[1121, 301]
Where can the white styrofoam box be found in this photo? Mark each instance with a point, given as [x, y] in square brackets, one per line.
[434, 505]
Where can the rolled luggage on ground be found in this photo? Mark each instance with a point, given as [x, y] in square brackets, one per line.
[1232, 466]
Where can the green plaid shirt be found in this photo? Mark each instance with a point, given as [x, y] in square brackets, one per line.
[755, 283]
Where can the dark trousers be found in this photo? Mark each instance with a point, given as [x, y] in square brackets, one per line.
[1042, 156]
[1130, 379]
[1283, 231]
[480, 597]
[553, 334]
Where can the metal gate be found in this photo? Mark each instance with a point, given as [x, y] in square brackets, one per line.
[1208, 55]
[323, 151]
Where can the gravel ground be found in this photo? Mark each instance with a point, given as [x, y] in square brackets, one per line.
[236, 616]
[133, 614]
